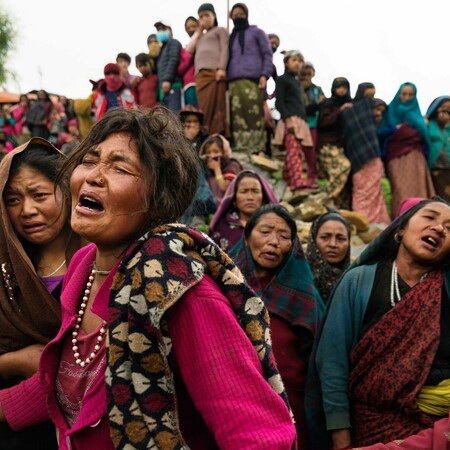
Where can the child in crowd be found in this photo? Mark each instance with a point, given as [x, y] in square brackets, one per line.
[146, 90]
[221, 167]
[313, 96]
[123, 60]
[297, 137]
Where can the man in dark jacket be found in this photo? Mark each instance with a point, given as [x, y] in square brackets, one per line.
[169, 82]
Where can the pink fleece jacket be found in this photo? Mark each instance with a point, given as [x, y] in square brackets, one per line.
[215, 365]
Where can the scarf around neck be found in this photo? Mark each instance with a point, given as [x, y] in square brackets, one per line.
[154, 274]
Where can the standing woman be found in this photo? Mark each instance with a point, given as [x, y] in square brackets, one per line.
[38, 115]
[36, 247]
[328, 251]
[438, 115]
[210, 44]
[188, 340]
[384, 351]
[405, 136]
[249, 67]
[272, 261]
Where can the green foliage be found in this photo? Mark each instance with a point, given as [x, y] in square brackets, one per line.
[7, 39]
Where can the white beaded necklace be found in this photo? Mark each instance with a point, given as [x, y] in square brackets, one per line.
[395, 291]
[79, 318]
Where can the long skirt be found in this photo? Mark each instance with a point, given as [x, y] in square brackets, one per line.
[211, 97]
[410, 177]
[335, 167]
[441, 181]
[247, 116]
[367, 195]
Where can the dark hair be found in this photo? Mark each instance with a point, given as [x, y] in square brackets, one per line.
[170, 165]
[279, 210]
[151, 36]
[273, 35]
[332, 215]
[247, 173]
[142, 58]
[190, 18]
[124, 56]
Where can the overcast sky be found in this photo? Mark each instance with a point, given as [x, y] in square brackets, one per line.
[62, 44]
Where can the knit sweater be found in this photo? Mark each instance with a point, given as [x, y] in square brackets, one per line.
[211, 51]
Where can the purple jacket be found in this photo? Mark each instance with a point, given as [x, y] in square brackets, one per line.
[256, 60]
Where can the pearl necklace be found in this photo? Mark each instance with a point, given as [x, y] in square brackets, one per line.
[395, 290]
[79, 318]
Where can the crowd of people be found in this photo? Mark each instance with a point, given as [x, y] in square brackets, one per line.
[154, 289]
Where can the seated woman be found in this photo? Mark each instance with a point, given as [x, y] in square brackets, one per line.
[271, 258]
[328, 251]
[386, 337]
[143, 283]
[245, 194]
[221, 167]
[36, 246]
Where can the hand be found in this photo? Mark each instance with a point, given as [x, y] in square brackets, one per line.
[221, 75]
[23, 362]
[346, 106]
[214, 164]
[262, 82]
[165, 87]
[341, 438]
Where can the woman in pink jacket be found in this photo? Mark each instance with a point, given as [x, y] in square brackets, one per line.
[156, 310]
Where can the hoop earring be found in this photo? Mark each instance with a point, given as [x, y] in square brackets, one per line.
[397, 238]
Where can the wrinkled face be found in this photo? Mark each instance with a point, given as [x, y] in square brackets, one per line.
[207, 19]
[249, 196]
[443, 113]
[270, 241]
[37, 213]
[407, 93]
[378, 113]
[109, 193]
[332, 241]
[294, 64]
[191, 27]
[426, 237]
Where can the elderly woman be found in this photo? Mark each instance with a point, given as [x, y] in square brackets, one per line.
[272, 260]
[178, 360]
[386, 335]
[328, 251]
[245, 194]
[36, 247]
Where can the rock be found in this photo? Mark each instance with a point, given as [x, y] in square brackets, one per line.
[265, 163]
[288, 206]
[356, 241]
[310, 211]
[303, 234]
[358, 219]
[279, 189]
[370, 235]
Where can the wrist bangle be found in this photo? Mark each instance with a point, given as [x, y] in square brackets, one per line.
[219, 177]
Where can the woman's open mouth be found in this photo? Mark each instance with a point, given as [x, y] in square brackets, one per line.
[90, 203]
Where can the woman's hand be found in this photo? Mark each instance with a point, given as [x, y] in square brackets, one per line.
[262, 82]
[341, 438]
[214, 165]
[23, 362]
[346, 106]
[221, 75]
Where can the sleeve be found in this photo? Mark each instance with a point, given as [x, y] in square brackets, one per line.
[25, 404]
[223, 45]
[266, 54]
[223, 375]
[173, 59]
[338, 337]
[186, 60]
[280, 93]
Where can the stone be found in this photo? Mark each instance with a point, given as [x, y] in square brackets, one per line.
[279, 189]
[369, 235]
[358, 219]
[303, 234]
[309, 211]
[288, 206]
[265, 163]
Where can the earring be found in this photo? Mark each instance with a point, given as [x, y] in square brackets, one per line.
[397, 238]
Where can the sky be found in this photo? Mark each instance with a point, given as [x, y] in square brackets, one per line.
[62, 44]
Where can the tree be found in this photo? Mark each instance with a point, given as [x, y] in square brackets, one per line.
[7, 40]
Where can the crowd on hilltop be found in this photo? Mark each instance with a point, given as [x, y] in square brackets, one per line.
[197, 316]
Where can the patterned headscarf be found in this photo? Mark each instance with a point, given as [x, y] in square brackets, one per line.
[325, 275]
[154, 274]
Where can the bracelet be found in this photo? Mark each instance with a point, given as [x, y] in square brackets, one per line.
[219, 177]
